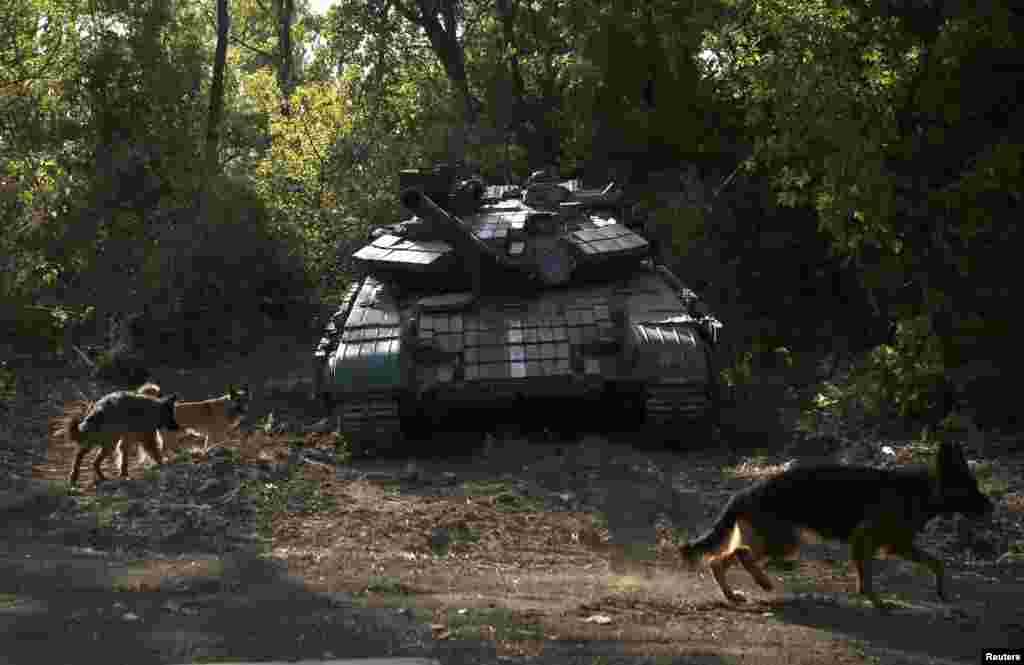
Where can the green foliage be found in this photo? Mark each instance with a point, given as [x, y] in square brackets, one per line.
[182, 456]
[505, 497]
[515, 502]
[294, 495]
[113, 107]
[496, 623]
[342, 450]
[872, 119]
[906, 377]
[740, 373]
[232, 456]
[486, 487]
[105, 507]
[225, 269]
[8, 385]
[903, 382]
[386, 585]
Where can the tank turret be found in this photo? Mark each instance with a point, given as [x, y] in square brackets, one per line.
[474, 253]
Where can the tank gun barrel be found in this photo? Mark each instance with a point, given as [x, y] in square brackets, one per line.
[473, 251]
[446, 225]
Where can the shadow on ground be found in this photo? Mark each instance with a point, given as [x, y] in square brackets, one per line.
[61, 604]
[916, 628]
[64, 604]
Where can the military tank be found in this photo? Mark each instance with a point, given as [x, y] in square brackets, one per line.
[495, 293]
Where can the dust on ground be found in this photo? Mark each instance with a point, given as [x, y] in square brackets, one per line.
[497, 554]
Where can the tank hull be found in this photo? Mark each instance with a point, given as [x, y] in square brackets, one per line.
[400, 358]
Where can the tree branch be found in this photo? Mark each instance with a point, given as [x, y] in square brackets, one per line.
[238, 42]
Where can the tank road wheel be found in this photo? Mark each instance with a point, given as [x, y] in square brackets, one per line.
[682, 415]
[371, 424]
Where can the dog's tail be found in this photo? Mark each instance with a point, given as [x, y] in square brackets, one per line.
[149, 388]
[65, 426]
[714, 542]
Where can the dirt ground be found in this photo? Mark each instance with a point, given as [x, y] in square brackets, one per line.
[498, 555]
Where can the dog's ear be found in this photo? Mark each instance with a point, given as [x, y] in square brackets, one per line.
[171, 399]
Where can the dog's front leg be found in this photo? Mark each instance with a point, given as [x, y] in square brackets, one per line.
[911, 552]
[718, 570]
[747, 559]
[169, 441]
[862, 550]
[121, 457]
[77, 465]
[156, 447]
[96, 465]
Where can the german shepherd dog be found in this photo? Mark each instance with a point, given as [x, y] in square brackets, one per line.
[871, 509]
[214, 418]
[103, 423]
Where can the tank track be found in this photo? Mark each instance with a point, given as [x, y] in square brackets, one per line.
[374, 421]
[668, 405]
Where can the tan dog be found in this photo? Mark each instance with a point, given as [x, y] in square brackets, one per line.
[105, 422]
[213, 419]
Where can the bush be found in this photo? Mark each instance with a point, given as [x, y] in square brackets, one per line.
[902, 385]
[234, 270]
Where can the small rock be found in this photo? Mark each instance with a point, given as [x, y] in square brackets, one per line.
[321, 426]
[220, 453]
[599, 619]
[253, 473]
[210, 488]
[411, 473]
[320, 455]
[440, 539]
[78, 615]
[377, 476]
[135, 509]
[348, 473]
[338, 600]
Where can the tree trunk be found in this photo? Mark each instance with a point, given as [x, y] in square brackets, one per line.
[444, 42]
[188, 238]
[211, 163]
[507, 10]
[285, 77]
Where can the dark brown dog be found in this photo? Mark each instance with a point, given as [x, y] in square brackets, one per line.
[872, 509]
[103, 423]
